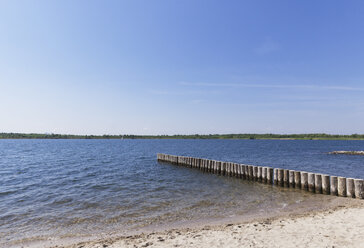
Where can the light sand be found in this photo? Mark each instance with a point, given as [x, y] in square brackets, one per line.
[339, 227]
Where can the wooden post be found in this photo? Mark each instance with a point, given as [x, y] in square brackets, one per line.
[270, 175]
[264, 174]
[225, 168]
[341, 186]
[255, 173]
[359, 188]
[291, 178]
[259, 174]
[325, 184]
[243, 175]
[179, 160]
[247, 172]
[350, 188]
[333, 185]
[251, 177]
[286, 178]
[311, 182]
[280, 177]
[304, 180]
[276, 176]
[242, 171]
[238, 169]
[218, 164]
[297, 179]
[318, 184]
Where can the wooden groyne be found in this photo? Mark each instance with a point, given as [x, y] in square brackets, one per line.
[312, 182]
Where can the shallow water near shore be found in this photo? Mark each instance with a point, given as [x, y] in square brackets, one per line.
[53, 190]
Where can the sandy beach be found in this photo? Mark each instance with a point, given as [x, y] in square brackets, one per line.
[339, 226]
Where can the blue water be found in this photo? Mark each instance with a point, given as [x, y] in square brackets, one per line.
[63, 188]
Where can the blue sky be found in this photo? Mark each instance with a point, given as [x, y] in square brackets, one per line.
[182, 67]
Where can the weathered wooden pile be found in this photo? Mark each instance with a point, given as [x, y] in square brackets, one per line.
[312, 182]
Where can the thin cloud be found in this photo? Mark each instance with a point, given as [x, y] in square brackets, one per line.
[179, 92]
[273, 86]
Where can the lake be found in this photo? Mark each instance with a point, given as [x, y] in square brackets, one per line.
[54, 190]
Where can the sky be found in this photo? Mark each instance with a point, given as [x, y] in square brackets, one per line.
[181, 67]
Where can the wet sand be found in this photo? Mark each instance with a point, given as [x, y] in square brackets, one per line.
[340, 224]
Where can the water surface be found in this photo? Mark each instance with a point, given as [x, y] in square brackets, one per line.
[56, 189]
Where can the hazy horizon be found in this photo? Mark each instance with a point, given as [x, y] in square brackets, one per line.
[180, 134]
[181, 67]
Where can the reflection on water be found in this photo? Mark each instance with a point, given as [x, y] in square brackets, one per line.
[65, 188]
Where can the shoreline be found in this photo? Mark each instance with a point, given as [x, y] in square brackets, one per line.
[173, 138]
[340, 223]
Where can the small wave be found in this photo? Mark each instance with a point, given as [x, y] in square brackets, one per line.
[61, 201]
[9, 192]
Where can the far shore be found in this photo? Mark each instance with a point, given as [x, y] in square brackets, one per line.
[339, 225]
[244, 136]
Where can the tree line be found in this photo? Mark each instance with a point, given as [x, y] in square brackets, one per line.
[180, 136]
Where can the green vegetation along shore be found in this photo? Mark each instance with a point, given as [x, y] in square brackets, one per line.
[314, 136]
